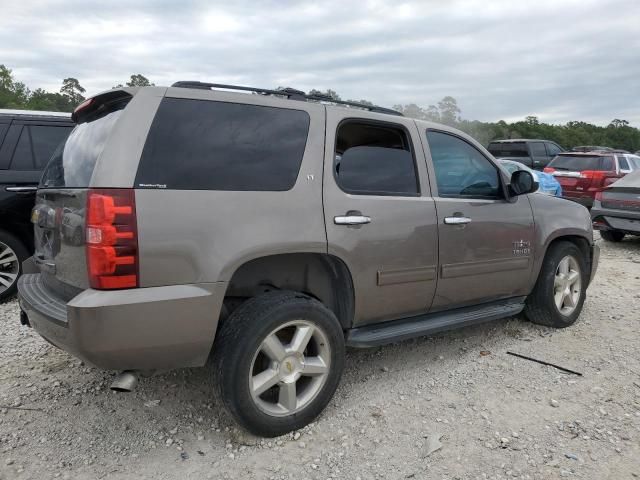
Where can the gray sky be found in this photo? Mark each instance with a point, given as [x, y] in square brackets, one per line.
[560, 60]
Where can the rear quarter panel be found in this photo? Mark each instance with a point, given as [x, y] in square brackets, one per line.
[192, 236]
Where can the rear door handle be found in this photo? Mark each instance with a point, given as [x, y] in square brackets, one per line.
[352, 220]
[21, 189]
[457, 220]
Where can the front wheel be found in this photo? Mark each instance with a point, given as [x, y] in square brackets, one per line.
[560, 291]
[278, 359]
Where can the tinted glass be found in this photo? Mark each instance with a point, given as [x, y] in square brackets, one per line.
[73, 162]
[376, 171]
[207, 145]
[537, 149]
[552, 149]
[578, 163]
[3, 130]
[624, 165]
[22, 158]
[509, 149]
[461, 170]
[45, 139]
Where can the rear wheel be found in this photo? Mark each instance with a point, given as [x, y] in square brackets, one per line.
[612, 235]
[12, 254]
[278, 360]
[559, 293]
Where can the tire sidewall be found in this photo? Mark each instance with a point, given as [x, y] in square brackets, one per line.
[549, 271]
[21, 252]
[235, 368]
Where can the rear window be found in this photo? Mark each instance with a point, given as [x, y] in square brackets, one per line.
[72, 163]
[210, 145]
[512, 149]
[579, 163]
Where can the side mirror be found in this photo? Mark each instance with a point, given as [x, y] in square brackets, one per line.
[522, 182]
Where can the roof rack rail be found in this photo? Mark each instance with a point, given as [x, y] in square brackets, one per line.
[290, 93]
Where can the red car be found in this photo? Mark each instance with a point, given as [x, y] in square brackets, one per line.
[584, 174]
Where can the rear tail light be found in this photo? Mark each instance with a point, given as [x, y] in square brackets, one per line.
[83, 106]
[599, 178]
[112, 239]
[599, 196]
[549, 170]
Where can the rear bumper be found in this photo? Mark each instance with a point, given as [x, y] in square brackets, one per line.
[623, 221]
[138, 329]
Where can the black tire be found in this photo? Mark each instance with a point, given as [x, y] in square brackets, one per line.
[11, 241]
[540, 306]
[238, 342]
[612, 235]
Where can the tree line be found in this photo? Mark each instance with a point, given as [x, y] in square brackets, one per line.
[618, 134]
[16, 95]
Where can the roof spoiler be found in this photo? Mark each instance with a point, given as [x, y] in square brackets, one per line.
[103, 102]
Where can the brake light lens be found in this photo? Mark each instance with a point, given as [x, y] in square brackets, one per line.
[112, 239]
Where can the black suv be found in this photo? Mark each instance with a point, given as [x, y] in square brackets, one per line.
[532, 153]
[27, 140]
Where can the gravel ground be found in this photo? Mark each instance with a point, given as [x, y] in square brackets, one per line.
[454, 406]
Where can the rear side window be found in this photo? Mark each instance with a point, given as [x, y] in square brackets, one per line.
[509, 149]
[73, 162]
[553, 149]
[209, 145]
[579, 163]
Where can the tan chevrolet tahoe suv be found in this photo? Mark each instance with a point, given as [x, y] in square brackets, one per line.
[271, 230]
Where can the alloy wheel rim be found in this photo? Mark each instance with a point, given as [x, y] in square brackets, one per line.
[9, 267]
[567, 285]
[289, 368]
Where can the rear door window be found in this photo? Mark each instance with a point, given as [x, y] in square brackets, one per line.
[44, 140]
[22, 158]
[211, 145]
[375, 159]
[537, 149]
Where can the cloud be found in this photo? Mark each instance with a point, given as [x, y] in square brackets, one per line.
[559, 60]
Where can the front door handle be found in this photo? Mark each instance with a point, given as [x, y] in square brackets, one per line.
[352, 220]
[28, 189]
[457, 220]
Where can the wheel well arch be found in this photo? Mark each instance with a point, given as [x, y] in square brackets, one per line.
[579, 241]
[322, 276]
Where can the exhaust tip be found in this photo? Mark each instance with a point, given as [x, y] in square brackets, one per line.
[125, 381]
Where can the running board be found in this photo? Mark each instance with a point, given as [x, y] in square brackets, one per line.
[428, 324]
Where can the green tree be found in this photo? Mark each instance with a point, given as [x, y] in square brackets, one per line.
[72, 90]
[449, 111]
[139, 80]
